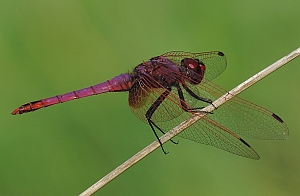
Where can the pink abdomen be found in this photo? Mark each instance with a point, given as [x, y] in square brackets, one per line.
[119, 83]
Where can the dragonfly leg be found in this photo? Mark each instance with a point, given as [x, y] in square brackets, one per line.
[151, 125]
[162, 131]
[151, 111]
[196, 96]
[183, 104]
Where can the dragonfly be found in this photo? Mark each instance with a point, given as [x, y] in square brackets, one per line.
[168, 89]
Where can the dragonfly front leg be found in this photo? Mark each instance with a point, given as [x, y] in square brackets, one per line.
[183, 103]
[151, 111]
[196, 96]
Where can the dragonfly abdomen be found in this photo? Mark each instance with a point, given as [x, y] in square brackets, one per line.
[122, 82]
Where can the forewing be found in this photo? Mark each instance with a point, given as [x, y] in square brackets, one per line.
[214, 61]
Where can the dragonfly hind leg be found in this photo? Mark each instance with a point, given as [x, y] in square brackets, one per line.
[151, 123]
[151, 111]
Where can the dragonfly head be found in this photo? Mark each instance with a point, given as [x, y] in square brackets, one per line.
[193, 69]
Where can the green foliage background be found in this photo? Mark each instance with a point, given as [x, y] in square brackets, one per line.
[52, 47]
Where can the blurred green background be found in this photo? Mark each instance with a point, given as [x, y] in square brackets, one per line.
[52, 47]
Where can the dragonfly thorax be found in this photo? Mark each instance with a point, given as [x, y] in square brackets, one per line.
[158, 70]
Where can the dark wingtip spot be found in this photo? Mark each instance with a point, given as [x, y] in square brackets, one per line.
[245, 142]
[221, 54]
[277, 118]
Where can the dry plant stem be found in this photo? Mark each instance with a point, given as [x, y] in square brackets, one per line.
[169, 135]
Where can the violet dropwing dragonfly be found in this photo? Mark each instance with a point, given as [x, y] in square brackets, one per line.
[169, 88]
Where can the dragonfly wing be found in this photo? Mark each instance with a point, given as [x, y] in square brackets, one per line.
[244, 117]
[214, 61]
[251, 120]
[209, 132]
[139, 100]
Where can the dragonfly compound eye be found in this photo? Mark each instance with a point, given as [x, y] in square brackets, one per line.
[194, 69]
